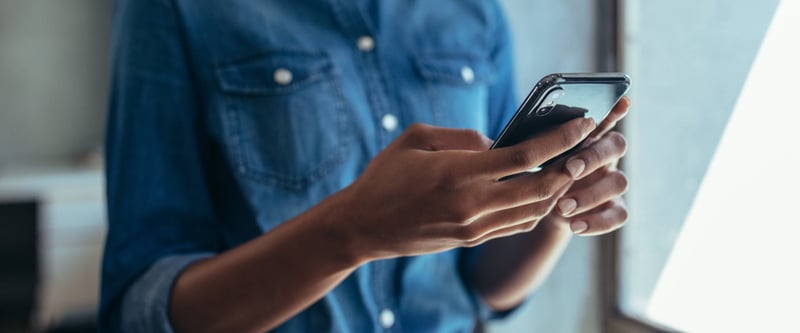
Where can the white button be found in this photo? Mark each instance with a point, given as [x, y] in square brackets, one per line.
[365, 43]
[467, 74]
[387, 318]
[389, 122]
[282, 76]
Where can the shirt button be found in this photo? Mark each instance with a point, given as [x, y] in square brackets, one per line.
[365, 43]
[387, 318]
[467, 74]
[282, 76]
[389, 122]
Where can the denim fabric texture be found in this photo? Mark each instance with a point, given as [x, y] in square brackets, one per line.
[227, 118]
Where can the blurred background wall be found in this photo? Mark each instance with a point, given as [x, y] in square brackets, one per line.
[53, 77]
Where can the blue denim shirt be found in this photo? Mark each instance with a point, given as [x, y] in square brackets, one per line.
[227, 118]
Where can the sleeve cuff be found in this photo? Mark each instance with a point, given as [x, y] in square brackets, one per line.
[145, 307]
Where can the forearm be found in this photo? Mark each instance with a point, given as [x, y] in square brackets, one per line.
[508, 269]
[262, 283]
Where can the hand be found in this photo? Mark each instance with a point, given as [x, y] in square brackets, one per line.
[593, 205]
[435, 189]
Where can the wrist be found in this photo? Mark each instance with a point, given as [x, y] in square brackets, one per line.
[336, 220]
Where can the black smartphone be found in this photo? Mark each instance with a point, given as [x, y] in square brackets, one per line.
[558, 98]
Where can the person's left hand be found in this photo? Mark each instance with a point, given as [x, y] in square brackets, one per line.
[593, 205]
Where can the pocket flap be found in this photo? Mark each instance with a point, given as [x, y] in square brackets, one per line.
[273, 72]
[459, 69]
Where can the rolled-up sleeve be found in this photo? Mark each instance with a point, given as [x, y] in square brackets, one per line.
[151, 293]
[159, 209]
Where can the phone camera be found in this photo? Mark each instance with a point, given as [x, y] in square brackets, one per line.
[543, 111]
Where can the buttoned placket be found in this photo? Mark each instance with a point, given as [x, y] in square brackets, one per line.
[379, 274]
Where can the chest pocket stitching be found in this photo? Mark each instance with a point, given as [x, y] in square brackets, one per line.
[247, 76]
[442, 70]
[446, 68]
[251, 78]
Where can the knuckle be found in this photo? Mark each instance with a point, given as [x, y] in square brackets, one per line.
[473, 135]
[590, 199]
[474, 242]
[622, 214]
[619, 142]
[418, 127]
[529, 226]
[620, 181]
[540, 210]
[469, 233]
[548, 186]
[571, 136]
[418, 133]
[541, 191]
[521, 158]
[462, 213]
[592, 155]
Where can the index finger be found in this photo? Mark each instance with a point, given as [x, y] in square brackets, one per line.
[615, 115]
[531, 153]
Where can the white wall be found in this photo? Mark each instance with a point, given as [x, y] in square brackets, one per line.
[53, 77]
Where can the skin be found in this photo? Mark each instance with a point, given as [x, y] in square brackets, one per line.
[451, 198]
[503, 277]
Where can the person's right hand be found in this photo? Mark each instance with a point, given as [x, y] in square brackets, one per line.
[435, 189]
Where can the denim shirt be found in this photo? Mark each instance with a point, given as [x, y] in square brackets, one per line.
[227, 118]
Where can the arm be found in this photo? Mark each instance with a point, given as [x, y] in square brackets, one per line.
[162, 220]
[266, 281]
[306, 257]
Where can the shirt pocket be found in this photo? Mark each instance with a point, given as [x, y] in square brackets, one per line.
[284, 119]
[457, 86]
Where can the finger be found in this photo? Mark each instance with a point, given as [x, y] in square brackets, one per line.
[612, 186]
[521, 218]
[615, 115]
[608, 217]
[472, 234]
[526, 189]
[502, 233]
[427, 137]
[501, 162]
[507, 231]
[589, 179]
[603, 152]
[503, 219]
[514, 215]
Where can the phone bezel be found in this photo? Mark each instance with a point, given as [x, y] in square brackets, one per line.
[554, 81]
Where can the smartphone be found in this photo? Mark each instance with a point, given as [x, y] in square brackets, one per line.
[558, 98]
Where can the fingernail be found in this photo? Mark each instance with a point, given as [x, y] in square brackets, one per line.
[576, 167]
[578, 227]
[567, 206]
[591, 124]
